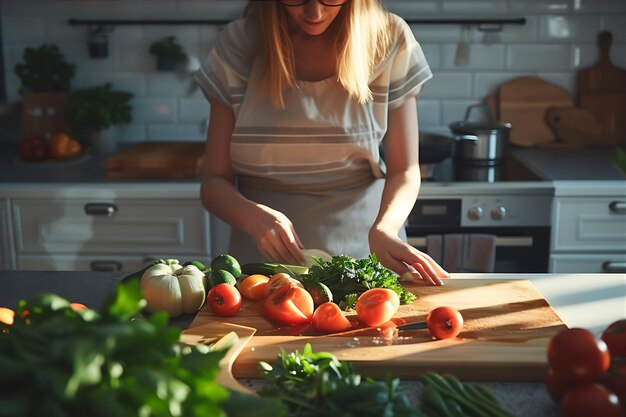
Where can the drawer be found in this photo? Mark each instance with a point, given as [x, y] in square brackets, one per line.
[103, 262]
[588, 263]
[590, 224]
[75, 226]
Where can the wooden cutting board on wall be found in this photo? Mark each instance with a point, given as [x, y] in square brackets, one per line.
[602, 90]
[156, 160]
[508, 325]
[523, 102]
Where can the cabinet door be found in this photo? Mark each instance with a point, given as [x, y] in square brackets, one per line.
[131, 226]
[588, 263]
[590, 224]
[7, 254]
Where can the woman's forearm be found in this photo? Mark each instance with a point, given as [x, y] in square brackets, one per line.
[399, 195]
[221, 198]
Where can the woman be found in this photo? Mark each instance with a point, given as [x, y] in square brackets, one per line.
[302, 93]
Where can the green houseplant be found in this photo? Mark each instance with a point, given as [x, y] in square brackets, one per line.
[94, 113]
[168, 52]
[45, 78]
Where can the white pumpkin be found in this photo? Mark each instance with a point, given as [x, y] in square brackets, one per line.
[173, 288]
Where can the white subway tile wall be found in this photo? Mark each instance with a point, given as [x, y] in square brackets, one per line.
[558, 39]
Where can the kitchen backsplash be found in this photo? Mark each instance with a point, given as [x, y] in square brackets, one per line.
[558, 39]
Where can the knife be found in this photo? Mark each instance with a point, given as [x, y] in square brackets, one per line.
[418, 325]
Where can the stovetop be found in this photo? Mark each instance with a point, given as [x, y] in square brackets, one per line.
[509, 169]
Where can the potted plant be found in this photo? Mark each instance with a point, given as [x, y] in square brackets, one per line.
[45, 78]
[169, 53]
[94, 113]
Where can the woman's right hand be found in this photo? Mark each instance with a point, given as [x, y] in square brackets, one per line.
[275, 236]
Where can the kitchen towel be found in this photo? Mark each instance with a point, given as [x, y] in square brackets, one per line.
[457, 252]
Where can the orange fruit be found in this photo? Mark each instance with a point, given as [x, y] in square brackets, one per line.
[6, 315]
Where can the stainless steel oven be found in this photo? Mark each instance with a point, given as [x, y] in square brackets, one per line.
[520, 224]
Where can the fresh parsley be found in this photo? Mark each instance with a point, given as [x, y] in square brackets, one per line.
[348, 277]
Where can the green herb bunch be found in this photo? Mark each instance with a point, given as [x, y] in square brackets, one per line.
[170, 48]
[97, 108]
[348, 277]
[318, 384]
[55, 361]
[44, 69]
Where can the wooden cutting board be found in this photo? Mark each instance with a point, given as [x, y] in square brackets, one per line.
[574, 126]
[507, 328]
[156, 160]
[602, 90]
[523, 103]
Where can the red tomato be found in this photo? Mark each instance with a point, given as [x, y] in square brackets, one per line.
[555, 386]
[590, 400]
[78, 306]
[290, 305]
[281, 280]
[224, 299]
[577, 356]
[616, 383]
[615, 338]
[377, 306]
[253, 287]
[329, 318]
[444, 322]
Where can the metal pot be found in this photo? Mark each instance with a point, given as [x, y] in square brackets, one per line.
[480, 143]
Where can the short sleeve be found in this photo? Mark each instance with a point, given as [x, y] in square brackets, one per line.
[409, 68]
[223, 74]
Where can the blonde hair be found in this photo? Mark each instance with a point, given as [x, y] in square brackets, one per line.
[362, 42]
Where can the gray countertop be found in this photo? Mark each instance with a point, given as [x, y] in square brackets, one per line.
[548, 164]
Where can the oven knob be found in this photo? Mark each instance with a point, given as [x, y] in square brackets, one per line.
[498, 213]
[475, 213]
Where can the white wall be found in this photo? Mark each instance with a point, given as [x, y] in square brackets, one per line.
[558, 40]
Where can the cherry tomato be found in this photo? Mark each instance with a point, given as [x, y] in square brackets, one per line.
[253, 286]
[444, 322]
[377, 306]
[291, 305]
[555, 386]
[590, 400]
[224, 300]
[615, 338]
[328, 318]
[281, 280]
[577, 356]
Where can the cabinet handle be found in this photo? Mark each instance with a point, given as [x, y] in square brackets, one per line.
[100, 209]
[106, 266]
[614, 267]
[618, 207]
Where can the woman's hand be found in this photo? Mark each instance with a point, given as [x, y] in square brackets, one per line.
[402, 258]
[275, 236]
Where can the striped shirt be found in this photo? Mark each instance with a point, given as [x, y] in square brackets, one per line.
[323, 139]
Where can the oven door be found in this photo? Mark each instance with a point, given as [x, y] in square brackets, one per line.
[518, 249]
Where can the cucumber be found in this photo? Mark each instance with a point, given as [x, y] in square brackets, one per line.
[319, 292]
[269, 269]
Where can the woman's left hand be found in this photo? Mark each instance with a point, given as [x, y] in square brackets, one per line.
[403, 258]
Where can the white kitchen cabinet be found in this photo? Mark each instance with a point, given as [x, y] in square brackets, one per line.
[589, 228]
[106, 228]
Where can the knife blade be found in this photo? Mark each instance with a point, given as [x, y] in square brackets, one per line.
[418, 325]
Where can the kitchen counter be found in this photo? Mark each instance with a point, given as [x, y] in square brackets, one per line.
[581, 300]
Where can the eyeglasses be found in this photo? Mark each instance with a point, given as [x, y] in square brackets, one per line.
[329, 3]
